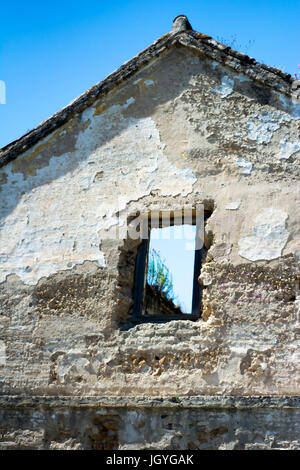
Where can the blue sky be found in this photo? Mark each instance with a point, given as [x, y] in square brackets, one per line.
[51, 52]
[180, 240]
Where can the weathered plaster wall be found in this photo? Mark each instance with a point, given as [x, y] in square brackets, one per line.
[183, 131]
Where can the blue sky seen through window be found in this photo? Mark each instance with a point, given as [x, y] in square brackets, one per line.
[176, 247]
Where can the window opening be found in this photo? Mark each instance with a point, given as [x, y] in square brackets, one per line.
[167, 269]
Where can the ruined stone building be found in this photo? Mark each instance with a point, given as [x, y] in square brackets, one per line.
[188, 122]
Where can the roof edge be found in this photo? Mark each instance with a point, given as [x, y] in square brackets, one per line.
[22, 144]
[215, 50]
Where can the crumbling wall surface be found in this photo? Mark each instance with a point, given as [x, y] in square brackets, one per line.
[175, 424]
[184, 130]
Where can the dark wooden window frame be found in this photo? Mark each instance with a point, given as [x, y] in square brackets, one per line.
[139, 284]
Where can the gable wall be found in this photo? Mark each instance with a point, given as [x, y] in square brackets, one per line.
[182, 131]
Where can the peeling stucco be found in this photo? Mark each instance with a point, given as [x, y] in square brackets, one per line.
[269, 236]
[232, 206]
[245, 165]
[262, 126]
[144, 82]
[290, 105]
[110, 144]
[288, 148]
[72, 364]
[226, 87]
[242, 78]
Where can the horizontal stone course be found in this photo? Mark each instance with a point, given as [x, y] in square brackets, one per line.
[209, 402]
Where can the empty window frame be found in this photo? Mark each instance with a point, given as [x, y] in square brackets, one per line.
[155, 292]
